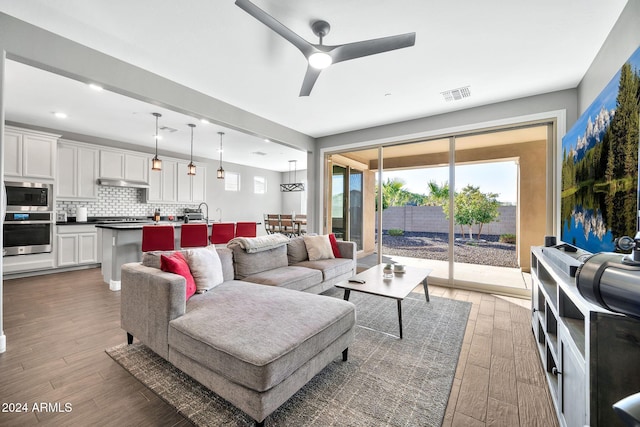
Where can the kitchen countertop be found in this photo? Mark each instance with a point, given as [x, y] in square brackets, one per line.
[139, 225]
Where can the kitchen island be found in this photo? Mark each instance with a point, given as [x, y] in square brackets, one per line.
[122, 243]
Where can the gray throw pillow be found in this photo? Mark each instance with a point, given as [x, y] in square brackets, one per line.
[296, 250]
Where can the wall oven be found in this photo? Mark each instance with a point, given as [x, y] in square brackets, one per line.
[27, 233]
[28, 220]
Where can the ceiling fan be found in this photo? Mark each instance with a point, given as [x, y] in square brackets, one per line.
[321, 56]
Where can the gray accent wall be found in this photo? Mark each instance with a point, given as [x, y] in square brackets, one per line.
[622, 41]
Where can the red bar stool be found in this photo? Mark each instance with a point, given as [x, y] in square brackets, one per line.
[194, 235]
[246, 229]
[222, 232]
[157, 238]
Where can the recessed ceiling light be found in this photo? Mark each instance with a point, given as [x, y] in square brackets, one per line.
[267, 140]
[95, 87]
[60, 115]
[204, 121]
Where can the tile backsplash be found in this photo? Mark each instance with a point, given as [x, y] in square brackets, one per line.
[121, 201]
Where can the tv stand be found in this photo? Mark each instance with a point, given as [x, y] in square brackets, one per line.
[591, 356]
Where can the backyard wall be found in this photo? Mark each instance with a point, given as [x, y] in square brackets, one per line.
[432, 219]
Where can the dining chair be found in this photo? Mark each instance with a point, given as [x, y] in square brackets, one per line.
[272, 223]
[286, 224]
[194, 235]
[300, 223]
[246, 229]
[157, 238]
[222, 232]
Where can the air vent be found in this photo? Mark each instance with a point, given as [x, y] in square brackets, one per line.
[168, 129]
[456, 94]
[259, 153]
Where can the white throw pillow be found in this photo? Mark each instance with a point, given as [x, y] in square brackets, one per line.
[205, 267]
[318, 247]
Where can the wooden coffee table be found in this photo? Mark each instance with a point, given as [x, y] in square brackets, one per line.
[397, 287]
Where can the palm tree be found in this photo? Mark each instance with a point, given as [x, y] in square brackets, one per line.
[438, 193]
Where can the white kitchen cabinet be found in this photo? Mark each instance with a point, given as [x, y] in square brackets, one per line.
[12, 153]
[163, 184]
[118, 164]
[111, 164]
[77, 172]
[76, 245]
[30, 154]
[169, 182]
[199, 185]
[191, 188]
[136, 167]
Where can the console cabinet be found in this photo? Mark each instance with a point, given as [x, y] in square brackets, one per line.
[590, 355]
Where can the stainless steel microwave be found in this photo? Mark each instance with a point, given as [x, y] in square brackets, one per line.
[28, 196]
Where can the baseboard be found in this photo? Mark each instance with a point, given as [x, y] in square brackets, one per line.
[3, 343]
[114, 285]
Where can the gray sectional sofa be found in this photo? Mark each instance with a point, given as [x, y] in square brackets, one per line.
[254, 345]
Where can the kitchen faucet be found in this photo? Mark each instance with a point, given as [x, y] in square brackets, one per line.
[206, 218]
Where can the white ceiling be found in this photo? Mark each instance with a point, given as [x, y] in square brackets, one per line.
[501, 50]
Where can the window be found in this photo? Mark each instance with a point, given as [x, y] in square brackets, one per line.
[259, 185]
[231, 181]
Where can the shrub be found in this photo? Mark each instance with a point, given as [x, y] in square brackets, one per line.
[507, 238]
[395, 232]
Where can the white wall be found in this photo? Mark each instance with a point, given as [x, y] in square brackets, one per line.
[243, 205]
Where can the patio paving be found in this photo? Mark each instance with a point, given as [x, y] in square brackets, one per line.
[496, 280]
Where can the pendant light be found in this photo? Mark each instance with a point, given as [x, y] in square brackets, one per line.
[220, 170]
[191, 168]
[156, 163]
[292, 185]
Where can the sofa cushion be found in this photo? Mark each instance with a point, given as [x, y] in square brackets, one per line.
[175, 263]
[255, 335]
[318, 247]
[152, 258]
[248, 264]
[330, 268]
[291, 277]
[296, 250]
[205, 267]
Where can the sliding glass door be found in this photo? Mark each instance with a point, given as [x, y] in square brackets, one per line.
[451, 204]
[346, 205]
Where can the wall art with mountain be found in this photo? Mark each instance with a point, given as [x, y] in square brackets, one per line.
[600, 166]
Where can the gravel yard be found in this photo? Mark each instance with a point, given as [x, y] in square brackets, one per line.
[436, 246]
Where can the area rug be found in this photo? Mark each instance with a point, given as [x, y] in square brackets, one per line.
[387, 381]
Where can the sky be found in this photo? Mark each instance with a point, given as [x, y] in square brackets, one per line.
[498, 177]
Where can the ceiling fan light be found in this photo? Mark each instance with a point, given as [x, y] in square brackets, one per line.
[320, 60]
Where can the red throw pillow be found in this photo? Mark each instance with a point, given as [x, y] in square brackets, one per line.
[176, 263]
[334, 246]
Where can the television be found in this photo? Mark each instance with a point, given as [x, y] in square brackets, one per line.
[599, 199]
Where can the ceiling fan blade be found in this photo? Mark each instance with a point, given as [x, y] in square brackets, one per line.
[304, 46]
[310, 78]
[371, 47]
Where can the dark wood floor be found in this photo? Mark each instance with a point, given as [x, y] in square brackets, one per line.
[59, 325]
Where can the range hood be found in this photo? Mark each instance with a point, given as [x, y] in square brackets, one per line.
[122, 183]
